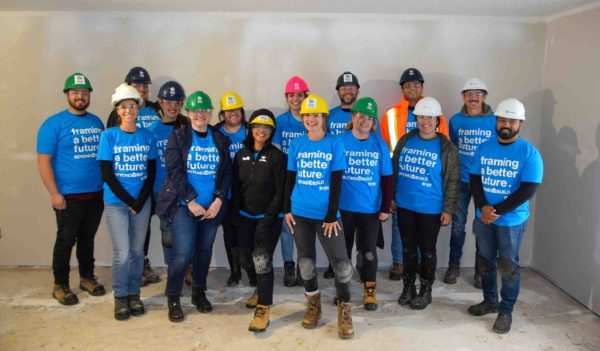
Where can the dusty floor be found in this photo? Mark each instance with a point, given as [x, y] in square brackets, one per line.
[30, 319]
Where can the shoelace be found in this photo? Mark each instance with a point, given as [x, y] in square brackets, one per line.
[260, 312]
[371, 292]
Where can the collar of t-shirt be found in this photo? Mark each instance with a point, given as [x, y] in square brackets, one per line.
[201, 134]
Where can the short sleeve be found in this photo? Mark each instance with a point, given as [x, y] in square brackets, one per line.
[385, 163]
[291, 164]
[47, 138]
[533, 169]
[338, 162]
[104, 148]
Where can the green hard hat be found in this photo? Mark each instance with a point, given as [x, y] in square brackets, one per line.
[366, 106]
[198, 101]
[77, 81]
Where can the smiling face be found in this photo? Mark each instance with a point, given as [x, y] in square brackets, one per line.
[200, 119]
[508, 129]
[171, 109]
[362, 123]
[348, 94]
[261, 133]
[314, 122]
[233, 118]
[294, 101]
[412, 90]
[79, 99]
[474, 99]
[143, 89]
[427, 126]
[128, 111]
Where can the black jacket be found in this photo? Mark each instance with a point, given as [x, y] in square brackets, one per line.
[176, 187]
[258, 183]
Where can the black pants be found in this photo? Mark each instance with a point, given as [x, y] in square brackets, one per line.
[262, 237]
[367, 230]
[306, 232]
[229, 230]
[152, 213]
[77, 224]
[419, 231]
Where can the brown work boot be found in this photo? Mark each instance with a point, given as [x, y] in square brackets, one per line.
[313, 311]
[64, 295]
[261, 319]
[345, 328]
[92, 286]
[252, 300]
[396, 271]
[370, 296]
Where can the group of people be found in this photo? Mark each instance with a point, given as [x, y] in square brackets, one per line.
[310, 173]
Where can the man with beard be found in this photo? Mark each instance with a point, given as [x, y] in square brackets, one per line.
[67, 144]
[396, 122]
[469, 128]
[505, 174]
[347, 87]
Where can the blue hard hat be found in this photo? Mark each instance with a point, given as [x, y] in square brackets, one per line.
[171, 91]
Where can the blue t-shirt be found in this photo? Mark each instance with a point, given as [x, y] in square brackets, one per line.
[287, 129]
[202, 163]
[147, 117]
[72, 141]
[411, 120]
[467, 133]
[366, 160]
[419, 186]
[337, 120]
[502, 168]
[161, 132]
[130, 153]
[313, 162]
[237, 139]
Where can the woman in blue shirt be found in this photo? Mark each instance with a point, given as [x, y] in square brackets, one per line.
[426, 178]
[192, 198]
[127, 156]
[312, 190]
[366, 191]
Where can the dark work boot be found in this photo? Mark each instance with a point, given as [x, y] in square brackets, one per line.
[289, 274]
[149, 276]
[396, 271]
[502, 323]
[199, 300]
[175, 311]
[483, 308]
[424, 297]
[451, 274]
[235, 274]
[409, 291]
[299, 280]
[329, 274]
[136, 307]
[121, 308]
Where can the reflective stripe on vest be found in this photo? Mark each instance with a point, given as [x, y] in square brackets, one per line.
[392, 129]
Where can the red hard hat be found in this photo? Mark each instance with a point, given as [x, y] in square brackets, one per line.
[296, 85]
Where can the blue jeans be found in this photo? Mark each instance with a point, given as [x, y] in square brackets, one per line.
[459, 220]
[396, 241]
[127, 232]
[193, 240]
[163, 226]
[287, 243]
[499, 246]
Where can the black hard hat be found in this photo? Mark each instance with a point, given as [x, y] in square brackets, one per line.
[138, 75]
[347, 78]
[411, 74]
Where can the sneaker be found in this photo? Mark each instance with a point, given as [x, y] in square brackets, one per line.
[91, 286]
[64, 295]
[396, 271]
[483, 308]
[136, 307]
[451, 274]
[502, 323]
[149, 276]
[329, 274]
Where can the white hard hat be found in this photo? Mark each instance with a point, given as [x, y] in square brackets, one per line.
[124, 92]
[511, 108]
[474, 84]
[428, 106]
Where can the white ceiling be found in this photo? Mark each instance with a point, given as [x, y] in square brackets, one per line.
[496, 8]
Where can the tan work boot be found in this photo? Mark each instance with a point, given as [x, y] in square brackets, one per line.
[64, 295]
[396, 271]
[261, 319]
[92, 286]
[313, 311]
[252, 300]
[345, 328]
[370, 296]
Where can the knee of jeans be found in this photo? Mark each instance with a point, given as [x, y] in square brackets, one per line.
[483, 265]
[262, 263]
[508, 270]
[120, 256]
[307, 268]
[343, 270]
[370, 256]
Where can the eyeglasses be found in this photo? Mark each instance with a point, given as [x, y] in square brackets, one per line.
[261, 127]
[200, 112]
[128, 107]
[425, 117]
[475, 93]
[411, 85]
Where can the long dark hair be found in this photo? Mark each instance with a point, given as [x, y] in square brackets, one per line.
[249, 140]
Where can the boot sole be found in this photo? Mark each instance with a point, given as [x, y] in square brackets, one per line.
[137, 313]
[450, 281]
[371, 306]
[176, 320]
[309, 326]
[98, 292]
[346, 336]
[258, 330]
[122, 318]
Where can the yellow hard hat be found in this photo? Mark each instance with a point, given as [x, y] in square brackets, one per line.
[230, 101]
[314, 104]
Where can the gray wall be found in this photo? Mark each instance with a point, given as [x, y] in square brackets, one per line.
[566, 244]
[253, 55]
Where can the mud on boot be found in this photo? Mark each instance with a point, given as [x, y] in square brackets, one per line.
[424, 297]
[313, 311]
[64, 295]
[345, 326]
[199, 299]
[136, 307]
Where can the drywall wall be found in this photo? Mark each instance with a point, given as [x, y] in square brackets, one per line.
[566, 245]
[252, 54]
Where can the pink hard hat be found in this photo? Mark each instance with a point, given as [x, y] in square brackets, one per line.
[296, 85]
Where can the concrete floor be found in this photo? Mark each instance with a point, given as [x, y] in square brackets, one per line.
[30, 319]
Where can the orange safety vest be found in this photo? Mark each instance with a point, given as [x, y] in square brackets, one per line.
[395, 120]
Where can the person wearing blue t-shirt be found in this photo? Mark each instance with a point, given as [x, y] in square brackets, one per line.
[289, 126]
[426, 179]
[469, 128]
[67, 143]
[505, 174]
[312, 191]
[232, 124]
[366, 191]
[127, 156]
[347, 87]
[193, 199]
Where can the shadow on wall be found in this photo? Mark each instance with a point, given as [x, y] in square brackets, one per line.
[566, 219]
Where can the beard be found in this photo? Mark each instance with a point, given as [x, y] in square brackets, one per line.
[347, 99]
[507, 133]
[79, 104]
